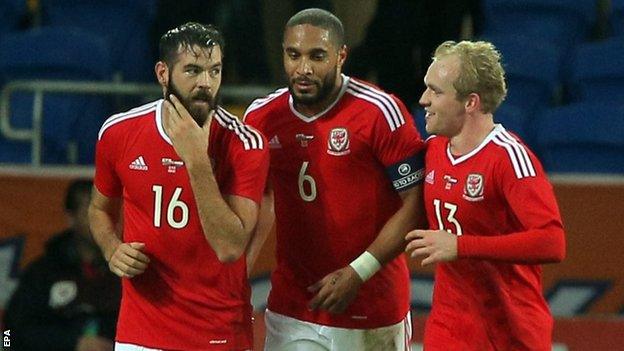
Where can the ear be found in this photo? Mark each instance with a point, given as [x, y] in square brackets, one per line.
[473, 103]
[162, 73]
[342, 56]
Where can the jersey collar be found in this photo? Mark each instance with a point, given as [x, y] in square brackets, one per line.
[159, 124]
[454, 161]
[308, 119]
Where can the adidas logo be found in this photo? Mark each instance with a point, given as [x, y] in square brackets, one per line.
[430, 177]
[274, 143]
[139, 164]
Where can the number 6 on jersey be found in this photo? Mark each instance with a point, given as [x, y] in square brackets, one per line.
[303, 179]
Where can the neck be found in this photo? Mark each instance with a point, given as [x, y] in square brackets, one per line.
[476, 128]
[313, 109]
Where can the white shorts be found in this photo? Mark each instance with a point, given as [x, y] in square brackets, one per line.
[132, 347]
[289, 334]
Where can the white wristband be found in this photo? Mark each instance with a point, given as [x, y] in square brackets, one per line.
[366, 265]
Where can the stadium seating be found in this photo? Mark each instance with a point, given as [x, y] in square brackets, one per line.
[516, 120]
[11, 11]
[584, 137]
[419, 119]
[617, 17]
[532, 70]
[562, 22]
[54, 53]
[126, 24]
[597, 72]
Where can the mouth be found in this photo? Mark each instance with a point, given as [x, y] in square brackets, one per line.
[304, 85]
[201, 100]
[428, 114]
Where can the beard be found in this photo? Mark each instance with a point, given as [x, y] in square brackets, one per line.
[199, 114]
[324, 88]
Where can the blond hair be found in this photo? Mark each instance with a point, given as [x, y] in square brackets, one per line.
[480, 71]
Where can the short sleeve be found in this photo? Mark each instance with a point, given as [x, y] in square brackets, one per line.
[249, 171]
[106, 179]
[397, 144]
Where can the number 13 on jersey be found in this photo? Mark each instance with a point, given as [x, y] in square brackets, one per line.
[450, 216]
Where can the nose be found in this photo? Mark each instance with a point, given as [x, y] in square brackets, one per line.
[305, 67]
[204, 80]
[424, 100]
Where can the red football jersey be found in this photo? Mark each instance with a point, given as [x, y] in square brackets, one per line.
[335, 176]
[481, 301]
[186, 299]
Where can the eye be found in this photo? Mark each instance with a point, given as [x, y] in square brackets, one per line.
[215, 72]
[293, 55]
[192, 71]
[318, 57]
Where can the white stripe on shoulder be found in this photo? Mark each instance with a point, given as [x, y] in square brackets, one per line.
[251, 138]
[133, 113]
[523, 151]
[383, 100]
[257, 103]
[430, 137]
[520, 160]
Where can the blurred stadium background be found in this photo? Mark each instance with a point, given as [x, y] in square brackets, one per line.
[66, 65]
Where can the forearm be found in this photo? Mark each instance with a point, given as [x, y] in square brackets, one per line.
[530, 247]
[263, 228]
[103, 227]
[391, 239]
[222, 228]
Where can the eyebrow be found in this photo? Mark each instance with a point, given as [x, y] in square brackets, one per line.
[313, 50]
[194, 65]
[434, 87]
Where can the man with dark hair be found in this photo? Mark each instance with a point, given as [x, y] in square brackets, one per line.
[346, 168]
[190, 176]
[67, 299]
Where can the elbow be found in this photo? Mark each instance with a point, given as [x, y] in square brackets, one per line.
[560, 254]
[558, 248]
[555, 256]
[229, 255]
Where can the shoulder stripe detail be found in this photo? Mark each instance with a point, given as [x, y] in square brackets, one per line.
[256, 104]
[386, 104]
[385, 97]
[135, 112]
[522, 149]
[250, 137]
[520, 160]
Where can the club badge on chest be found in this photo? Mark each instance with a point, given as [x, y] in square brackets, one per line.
[473, 190]
[338, 142]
